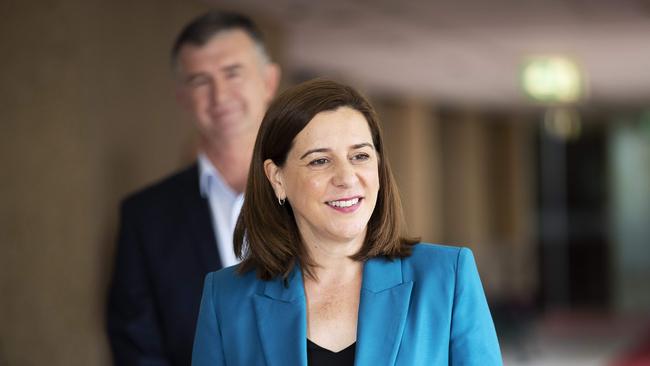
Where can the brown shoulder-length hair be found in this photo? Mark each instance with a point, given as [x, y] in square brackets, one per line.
[266, 236]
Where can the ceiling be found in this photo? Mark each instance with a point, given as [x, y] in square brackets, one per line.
[464, 51]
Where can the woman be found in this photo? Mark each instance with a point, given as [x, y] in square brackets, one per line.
[326, 277]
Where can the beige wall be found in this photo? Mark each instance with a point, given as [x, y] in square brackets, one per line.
[87, 114]
[413, 147]
[465, 178]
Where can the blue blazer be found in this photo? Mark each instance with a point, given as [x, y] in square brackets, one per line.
[426, 309]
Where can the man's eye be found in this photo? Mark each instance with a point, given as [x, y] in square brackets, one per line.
[318, 162]
[232, 74]
[197, 82]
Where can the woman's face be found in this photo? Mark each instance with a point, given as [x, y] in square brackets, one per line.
[330, 177]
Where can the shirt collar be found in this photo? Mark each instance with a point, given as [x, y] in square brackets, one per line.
[209, 178]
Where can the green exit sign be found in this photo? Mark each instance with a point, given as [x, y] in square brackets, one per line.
[552, 79]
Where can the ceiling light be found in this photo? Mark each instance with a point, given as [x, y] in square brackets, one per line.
[552, 79]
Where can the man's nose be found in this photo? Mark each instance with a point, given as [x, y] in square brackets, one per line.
[218, 93]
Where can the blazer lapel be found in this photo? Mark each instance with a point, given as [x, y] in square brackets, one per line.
[199, 219]
[197, 216]
[281, 316]
[383, 309]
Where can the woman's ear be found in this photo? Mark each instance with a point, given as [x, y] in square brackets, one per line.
[274, 175]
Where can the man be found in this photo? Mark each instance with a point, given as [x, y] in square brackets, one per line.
[176, 231]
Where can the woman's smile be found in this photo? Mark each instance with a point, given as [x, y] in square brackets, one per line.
[346, 205]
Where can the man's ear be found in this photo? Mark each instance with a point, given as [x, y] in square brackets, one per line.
[274, 175]
[272, 76]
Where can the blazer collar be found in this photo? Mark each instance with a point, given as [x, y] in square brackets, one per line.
[289, 290]
[385, 299]
[381, 274]
[281, 315]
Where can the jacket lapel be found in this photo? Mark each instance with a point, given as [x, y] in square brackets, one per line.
[199, 219]
[281, 316]
[383, 309]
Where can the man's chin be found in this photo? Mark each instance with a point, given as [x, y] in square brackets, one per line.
[223, 120]
[228, 129]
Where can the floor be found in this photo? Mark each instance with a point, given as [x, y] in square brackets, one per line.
[576, 339]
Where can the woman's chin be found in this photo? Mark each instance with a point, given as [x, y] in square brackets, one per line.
[348, 234]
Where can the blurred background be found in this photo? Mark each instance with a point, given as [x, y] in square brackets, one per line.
[520, 129]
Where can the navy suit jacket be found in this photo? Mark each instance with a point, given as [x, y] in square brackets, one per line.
[426, 309]
[166, 246]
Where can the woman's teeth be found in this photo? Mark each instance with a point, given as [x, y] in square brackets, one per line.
[347, 203]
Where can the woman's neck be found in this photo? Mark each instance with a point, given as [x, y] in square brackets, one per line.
[333, 265]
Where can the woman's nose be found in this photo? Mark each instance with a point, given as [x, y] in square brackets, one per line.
[345, 175]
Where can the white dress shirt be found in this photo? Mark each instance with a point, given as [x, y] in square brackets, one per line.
[225, 205]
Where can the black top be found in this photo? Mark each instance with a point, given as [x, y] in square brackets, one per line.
[319, 356]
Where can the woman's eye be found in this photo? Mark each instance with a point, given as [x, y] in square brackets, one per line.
[361, 156]
[318, 162]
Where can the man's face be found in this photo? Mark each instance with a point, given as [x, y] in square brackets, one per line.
[225, 85]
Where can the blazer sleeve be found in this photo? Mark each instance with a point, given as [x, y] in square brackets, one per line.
[473, 337]
[134, 331]
[208, 348]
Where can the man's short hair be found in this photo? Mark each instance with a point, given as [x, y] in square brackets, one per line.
[200, 30]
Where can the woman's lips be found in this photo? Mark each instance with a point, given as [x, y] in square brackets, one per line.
[345, 205]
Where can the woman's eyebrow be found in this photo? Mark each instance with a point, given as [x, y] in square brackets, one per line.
[359, 146]
[322, 149]
[326, 149]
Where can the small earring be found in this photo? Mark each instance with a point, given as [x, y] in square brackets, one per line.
[281, 201]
